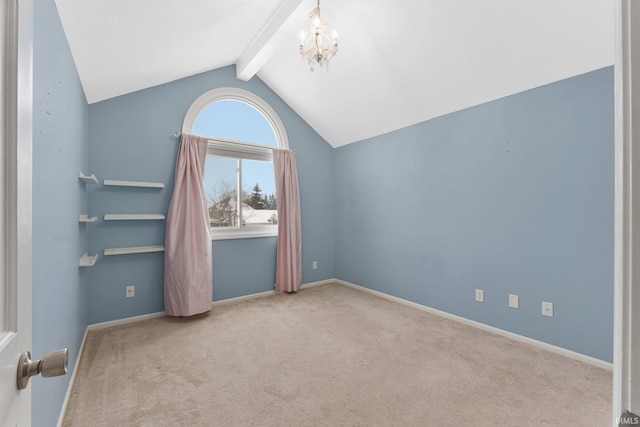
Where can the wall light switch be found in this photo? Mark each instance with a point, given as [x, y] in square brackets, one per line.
[514, 301]
[479, 295]
[131, 291]
[315, 265]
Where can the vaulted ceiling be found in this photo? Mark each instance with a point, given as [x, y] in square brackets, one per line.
[400, 61]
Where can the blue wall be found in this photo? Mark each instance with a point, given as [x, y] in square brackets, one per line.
[60, 150]
[131, 138]
[512, 196]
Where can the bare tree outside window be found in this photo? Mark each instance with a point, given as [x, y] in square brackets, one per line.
[223, 203]
[257, 209]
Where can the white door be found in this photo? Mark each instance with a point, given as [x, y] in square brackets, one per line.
[15, 205]
[626, 363]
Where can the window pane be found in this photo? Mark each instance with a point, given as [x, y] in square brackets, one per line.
[260, 199]
[236, 121]
[220, 185]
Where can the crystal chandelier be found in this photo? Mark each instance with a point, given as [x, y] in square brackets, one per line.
[318, 48]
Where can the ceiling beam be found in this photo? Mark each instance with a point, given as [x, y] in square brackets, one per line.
[268, 38]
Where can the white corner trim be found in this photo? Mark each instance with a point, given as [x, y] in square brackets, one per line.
[72, 380]
[516, 337]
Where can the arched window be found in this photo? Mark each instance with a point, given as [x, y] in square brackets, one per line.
[242, 130]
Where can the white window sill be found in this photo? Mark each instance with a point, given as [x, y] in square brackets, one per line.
[243, 233]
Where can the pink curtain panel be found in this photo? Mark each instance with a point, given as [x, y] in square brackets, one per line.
[289, 255]
[188, 271]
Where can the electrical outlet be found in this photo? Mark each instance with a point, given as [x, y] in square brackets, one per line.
[514, 301]
[131, 291]
[479, 295]
[547, 309]
[315, 265]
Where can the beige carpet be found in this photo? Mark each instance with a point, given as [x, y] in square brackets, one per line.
[327, 356]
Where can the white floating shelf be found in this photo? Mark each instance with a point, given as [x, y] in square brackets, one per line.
[91, 179]
[85, 218]
[133, 183]
[87, 261]
[134, 250]
[129, 217]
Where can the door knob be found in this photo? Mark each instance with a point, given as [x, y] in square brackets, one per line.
[51, 365]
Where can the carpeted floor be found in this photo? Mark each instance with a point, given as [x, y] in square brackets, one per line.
[327, 356]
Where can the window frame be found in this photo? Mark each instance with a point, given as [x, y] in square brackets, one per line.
[238, 149]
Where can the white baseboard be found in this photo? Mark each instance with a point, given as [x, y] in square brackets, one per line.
[549, 347]
[124, 321]
[65, 402]
[244, 298]
[318, 283]
[267, 293]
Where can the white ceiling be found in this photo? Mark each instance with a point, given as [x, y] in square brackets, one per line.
[400, 62]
